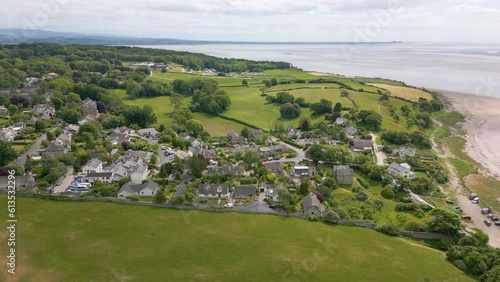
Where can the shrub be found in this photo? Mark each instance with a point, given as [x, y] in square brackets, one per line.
[133, 198]
[312, 217]
[331, 216]
[388, 229]
[387, 193]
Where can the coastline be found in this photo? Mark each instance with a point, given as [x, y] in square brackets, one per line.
[482, 127]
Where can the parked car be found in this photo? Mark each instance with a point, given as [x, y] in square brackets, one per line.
[485, 211]
[466, 217]
[449, 202]
[487, 222]
[475, 202]
[497, 223]
[476, 199]
[490, 215]
[264, 160]
[495, 218]
[272, 206]
[458, 208]
[472, 196]
[228, 205]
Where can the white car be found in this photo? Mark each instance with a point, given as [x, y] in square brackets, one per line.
[229, 205]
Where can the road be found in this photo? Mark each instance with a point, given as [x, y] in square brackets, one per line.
[381, 156]
[68, 178]
[32, 151]
[181, 188]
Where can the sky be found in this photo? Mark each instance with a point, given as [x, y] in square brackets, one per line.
[474, 21]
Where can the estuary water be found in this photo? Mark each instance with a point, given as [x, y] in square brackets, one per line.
[462, 68]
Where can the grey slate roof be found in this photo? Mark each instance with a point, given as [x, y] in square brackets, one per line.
[132, 188]
[310, 201]
[206, 189]
[343, 170]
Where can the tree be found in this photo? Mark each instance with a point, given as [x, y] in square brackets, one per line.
[12, 109]
[40, 125]
[305, 124]
[71, 116]
[197, 164]
[338, 107]
[387, 193]
[290, 111]
[195, 127]
[178, 200]
[133, 89]
[4, 99]
[159, 197]
[305, 187]
[57, 102]
[7, 153]
[322, 107]
[250, 157]
[274, 81]
[444, 221]
[244, 82]
[182, 115]
[176, 100]
[245, 132]
[331, 216]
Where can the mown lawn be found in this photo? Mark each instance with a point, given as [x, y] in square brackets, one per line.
[407, 93]
[89, 241]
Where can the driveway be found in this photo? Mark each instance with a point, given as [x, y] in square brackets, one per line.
[300, 155]
[181, 188]
[32, 151]
[66, 182]
[381, 156]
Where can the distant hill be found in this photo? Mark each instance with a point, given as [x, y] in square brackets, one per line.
[18, 35]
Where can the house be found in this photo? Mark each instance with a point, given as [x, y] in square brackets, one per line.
[94, 165]
[104, 177]
[217, 191]
[276, 190]
[341, 121]
[52, 75]
[225, 169]
[55, 148]
[89, 108]
[120, 135]
[405, 152]
[18, 126]
[361, 144]
[268, 142]
[138, 189]
[72, 128]
[351, 131]
[343, 174]
[256, 133]
[194, 142]
[134, 156]
[244, 192]
[45, 111]
[300, 171]
[8, 134]
[265, 151]
[22, 182]
[235, 138]
[293, 133]
[3, 110]
[311, 205]
[401, 170]
[197, 151]
[274, 167]
[85, 119]
[149, 133]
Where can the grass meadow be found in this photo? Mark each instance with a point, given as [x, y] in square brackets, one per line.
[91, 241]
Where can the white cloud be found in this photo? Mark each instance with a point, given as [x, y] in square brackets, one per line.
[474, 9]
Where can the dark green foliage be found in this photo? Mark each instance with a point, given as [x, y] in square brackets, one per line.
[7, 153]
[290, 111]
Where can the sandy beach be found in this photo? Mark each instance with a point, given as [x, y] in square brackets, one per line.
[483, 128]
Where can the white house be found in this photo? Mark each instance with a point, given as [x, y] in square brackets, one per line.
[212, 191]
[94, 165]
[404, 170]
[104, 177]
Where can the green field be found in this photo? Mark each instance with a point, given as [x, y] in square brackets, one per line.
[487, 188]
[93, 241]
[410, 94]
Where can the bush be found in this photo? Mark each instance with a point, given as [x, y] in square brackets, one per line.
[133, 198]
[388, 229]
[387, 193]
[331, 216]
[312, 217]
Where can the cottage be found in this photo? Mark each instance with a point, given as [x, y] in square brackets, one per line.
[341, 121]
[104, 177]
[149, 133]
[361, 144]
[293, 133]
[22, 182]
[311, 205]
[343, 174]
[72, 128]
[138, 189]
[55, 148]
[3, 110]
[217, 191]
[44, 111]
[94, 165]
[266, 151]
[244, 192]
[401, 170]
[351, 131]
[405, 152]
[274, 167]
[237, 170]
[89, 108]
[235, 138]
[256, 133]
[300, 171]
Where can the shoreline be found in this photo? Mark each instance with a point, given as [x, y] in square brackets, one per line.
[482, 125]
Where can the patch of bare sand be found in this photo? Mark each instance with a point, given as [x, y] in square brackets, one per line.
[483, 128]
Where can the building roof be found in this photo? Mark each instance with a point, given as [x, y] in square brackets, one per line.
[244, 190]
[132, 188]
[93, 163]
[212, 189]
[343, 170]
[310, 201]
[100, 174]
[273, 166]
[256, 132]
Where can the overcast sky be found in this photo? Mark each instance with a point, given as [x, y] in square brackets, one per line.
[265, 20]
